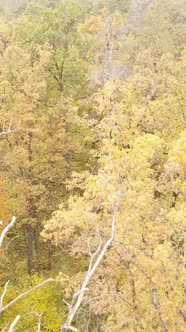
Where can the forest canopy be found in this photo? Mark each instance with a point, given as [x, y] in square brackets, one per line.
[93, 165]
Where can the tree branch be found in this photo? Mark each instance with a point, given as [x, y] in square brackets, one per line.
[11, 329]
[6, 229]
[3, 294]
[73, 328]
[39, 322]
[25, 293]
[6, 131]
[109, 295]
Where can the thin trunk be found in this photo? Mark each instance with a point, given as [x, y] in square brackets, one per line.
[36, 246]
[30, 250]
[32, 211]
[60, 84]
[98, 323]
[49, 263]
[157, 306]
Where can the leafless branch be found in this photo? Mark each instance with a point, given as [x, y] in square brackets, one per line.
[93, 265]
[73, 328]
[6, 130]
[39, 319]
[39, 322]
[3, 294]
[25, 293]
[89, 247]
[9, 129]
[79, 292]
[109, 295]
[6, 229]
[67, 304]
[11, 329]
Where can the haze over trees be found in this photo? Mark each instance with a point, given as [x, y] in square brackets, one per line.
[93, 165]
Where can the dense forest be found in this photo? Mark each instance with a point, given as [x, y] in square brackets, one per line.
[92, 165]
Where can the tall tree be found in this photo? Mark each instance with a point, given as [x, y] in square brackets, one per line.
[58, 28]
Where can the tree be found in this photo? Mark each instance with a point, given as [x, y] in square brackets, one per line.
[58, 28]
[32, 125]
